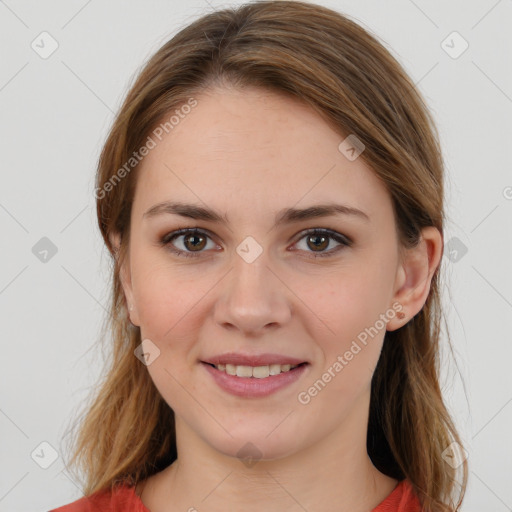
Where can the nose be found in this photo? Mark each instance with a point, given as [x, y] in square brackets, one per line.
[252, 298]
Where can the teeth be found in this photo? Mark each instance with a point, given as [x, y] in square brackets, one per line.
[243, 371]
[258, 372]
[275, 369]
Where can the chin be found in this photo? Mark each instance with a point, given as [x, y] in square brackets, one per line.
[251, 445]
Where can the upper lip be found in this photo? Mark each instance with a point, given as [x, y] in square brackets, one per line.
[239, 359]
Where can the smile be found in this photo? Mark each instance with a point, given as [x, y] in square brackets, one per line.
[257, 372]
[254, 381]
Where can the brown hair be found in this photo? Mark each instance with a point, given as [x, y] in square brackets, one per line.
[323, 58]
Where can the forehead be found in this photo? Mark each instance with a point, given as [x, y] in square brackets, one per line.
[255, 148]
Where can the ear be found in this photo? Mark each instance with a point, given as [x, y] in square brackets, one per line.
[414, 275]
[126, 281]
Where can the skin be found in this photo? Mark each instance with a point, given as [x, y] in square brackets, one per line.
[248, 154]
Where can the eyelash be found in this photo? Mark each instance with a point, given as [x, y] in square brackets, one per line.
[167, 239]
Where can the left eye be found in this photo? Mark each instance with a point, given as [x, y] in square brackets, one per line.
[194, 241]
[321, 238]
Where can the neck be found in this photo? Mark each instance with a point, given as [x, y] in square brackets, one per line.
[338, 484]
[333, 474]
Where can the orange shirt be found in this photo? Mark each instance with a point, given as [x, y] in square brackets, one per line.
[124, 499]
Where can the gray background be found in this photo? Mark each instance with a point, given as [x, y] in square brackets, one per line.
[55, 113]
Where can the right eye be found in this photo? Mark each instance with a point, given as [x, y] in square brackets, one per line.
[192, 239]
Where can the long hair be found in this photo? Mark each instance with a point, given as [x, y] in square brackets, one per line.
[321, 57]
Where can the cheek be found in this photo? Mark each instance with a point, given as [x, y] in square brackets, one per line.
[348, 302]
[170, 310]
[348, 325]
[168, 297]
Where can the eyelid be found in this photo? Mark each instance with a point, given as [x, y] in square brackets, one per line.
[341, 239]
[321, 231]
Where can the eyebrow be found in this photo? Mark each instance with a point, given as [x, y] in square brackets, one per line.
[285, 216]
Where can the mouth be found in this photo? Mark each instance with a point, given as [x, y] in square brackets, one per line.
[255, 381]
[255, 372]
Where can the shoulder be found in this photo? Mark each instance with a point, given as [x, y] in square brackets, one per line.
[409, 501]
[122, 499]
[401, 499]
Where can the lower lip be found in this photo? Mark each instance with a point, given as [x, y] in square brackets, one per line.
[252, 387]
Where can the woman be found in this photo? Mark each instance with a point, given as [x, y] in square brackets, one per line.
[271, 193]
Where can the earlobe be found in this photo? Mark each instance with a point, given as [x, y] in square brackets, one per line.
[115, 242]
[125, 276]
[414, 276]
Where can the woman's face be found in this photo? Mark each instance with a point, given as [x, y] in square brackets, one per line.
[255, 283]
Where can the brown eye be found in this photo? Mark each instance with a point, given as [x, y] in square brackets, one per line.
[318, 240]
[194, 242]
[187, 242]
